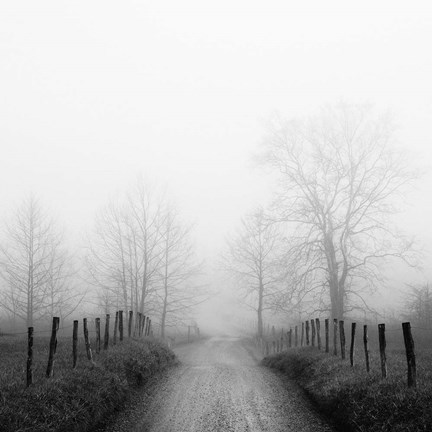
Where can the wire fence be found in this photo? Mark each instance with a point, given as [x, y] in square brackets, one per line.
[350, 341]
[114, 332]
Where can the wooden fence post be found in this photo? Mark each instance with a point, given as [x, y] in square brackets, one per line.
[366, 347]
[106, 335]
[30, 356]
[313, 331]
[342, 338]
[296, 336]
[327, 338]
[87, 341]
[150, 331]
[144, 321]
[382, 346]
[318, 331]
[98, 338]
[307, 332]
[138, 324]
[353, 333]
[75, 344]
[121, 325]
[130, 324]
[302, 335]
[410, 354]
[146, 329]
[52, 346]
[335, 335]
[115, 327]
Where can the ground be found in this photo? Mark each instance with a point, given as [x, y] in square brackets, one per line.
[219, 385]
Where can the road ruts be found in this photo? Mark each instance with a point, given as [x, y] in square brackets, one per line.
[220, 386]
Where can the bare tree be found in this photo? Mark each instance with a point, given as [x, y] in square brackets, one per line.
[418, 305]
[340, 181]
[34, 265]
[125, 252]
[179, 292]
[254, 257]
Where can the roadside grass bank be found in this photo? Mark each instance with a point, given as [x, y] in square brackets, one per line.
[355, 400]
[73, 399]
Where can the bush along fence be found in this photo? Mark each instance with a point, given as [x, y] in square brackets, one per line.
[142, 328]
[308, 334]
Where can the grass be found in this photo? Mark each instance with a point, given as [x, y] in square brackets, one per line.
[355, 400]
[73, 399]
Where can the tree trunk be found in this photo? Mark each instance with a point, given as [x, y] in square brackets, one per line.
[259, 310]
[336, 291]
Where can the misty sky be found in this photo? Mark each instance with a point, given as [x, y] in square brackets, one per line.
[94, 93]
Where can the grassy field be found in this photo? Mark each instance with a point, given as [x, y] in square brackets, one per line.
[73, 399]
[359, 401]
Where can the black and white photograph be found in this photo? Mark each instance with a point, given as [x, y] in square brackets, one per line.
[215, 216]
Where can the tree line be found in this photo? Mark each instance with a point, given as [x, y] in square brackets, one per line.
[139, 256]
[321, 243]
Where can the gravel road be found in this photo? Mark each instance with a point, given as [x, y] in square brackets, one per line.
[219, 386]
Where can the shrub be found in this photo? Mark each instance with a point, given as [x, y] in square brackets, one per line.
[73, 400]
[357, 401]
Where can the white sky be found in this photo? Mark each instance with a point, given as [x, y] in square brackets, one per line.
[93, 93]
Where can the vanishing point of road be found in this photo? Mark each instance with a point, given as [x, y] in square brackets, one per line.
[220, 386]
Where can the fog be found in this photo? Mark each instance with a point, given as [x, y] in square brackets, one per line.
[95, 94]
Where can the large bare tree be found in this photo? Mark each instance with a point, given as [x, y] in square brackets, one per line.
[254, 257]
[35, 266]
[125, 252]
[340, 181]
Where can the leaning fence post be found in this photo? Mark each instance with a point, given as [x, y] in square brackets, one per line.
[307, 332]
[115, 327]
[342, 338]
[146, 329]
[313, 331]
[382, 346]
[52, 346]
[302, 335]
[75, 344]
[326, 326]
[130, 323]
[318, 331]
[106, 335]
[335, 335]
[87, 341]
[121, 325]
[138, 324]
[143, 323]
[98, 338]
[353, 332]
[30, 356]
[366, 347]
[410, 354]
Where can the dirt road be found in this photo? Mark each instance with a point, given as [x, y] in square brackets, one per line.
[220, 386]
